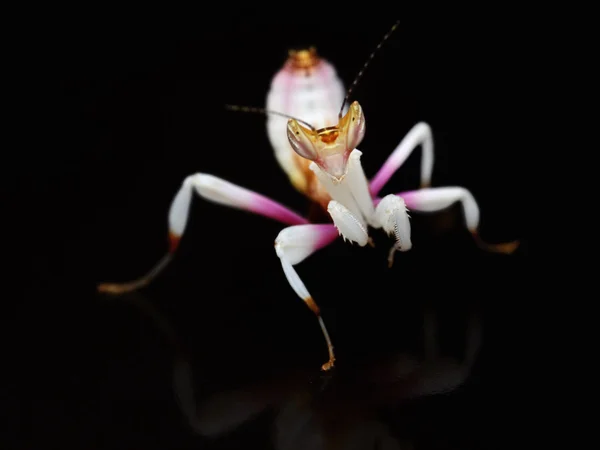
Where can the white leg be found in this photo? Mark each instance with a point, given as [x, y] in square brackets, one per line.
[421, 135]
[215, 190]
[348, 225]
[293, 245]
[391, 212]
[436, 199]
[340, 192]
[359, 186]
[352, 192]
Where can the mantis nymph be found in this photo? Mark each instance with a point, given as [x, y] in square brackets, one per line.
[315, 142]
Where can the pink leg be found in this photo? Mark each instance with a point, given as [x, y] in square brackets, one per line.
[215, 190]
[293, 245]
[436, 199]
[421, 135]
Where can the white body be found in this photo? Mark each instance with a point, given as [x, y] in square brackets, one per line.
[313, 96]
[309, 89]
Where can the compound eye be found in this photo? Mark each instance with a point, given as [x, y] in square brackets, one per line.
[356, 126]
[300, 141]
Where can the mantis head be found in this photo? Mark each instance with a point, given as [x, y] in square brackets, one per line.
[329, 147]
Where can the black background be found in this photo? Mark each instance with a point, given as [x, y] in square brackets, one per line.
[125, 114]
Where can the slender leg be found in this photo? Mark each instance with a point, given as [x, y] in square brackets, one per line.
[391, 212]
[293, 245]
[215, 190]
[420, 134]
[435, 199]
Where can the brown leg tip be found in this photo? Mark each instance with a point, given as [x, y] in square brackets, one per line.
[114, 288]
[108, 288]
[122, 288]
[391, 257]
[505, 248]
[313, 306]
[173, 241]
[328, 365]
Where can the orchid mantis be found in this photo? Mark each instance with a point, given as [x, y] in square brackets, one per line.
[315, 143]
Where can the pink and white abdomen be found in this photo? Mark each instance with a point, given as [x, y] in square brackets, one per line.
[307, 88]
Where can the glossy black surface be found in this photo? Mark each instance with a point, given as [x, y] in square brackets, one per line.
[137, 111]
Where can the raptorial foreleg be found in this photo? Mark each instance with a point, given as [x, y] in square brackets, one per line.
[351, 207]
[349, 226]
[392, 214]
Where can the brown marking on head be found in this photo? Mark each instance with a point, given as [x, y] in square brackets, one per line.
[329, 147]
[328, 135]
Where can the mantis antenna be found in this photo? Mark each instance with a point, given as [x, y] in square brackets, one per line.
[365, 65]
[251, 109]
